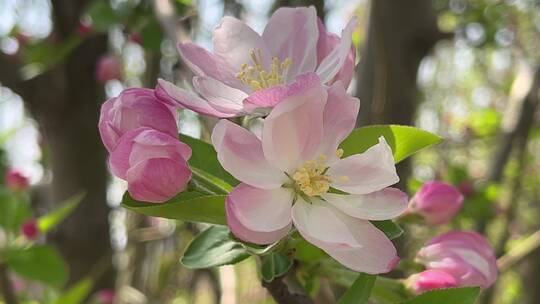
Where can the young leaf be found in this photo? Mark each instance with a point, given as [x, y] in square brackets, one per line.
[213, 247]
[391, 229]
[51, 220]
[77, 293]
[275, 265]
[403, 140]
[464, 295]
[187, 206]
[360, 290]
[40, 263]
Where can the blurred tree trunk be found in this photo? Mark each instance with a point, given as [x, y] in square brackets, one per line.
[65, 101]
[399, 35]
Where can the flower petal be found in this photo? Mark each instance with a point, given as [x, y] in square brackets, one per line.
[381, 205]
[353, 242]
[292, 132]
[292, 33]
[220, 96]
[340, 115]
[233, 41]
[240, 153]
[157, 179]
[333, 63]
[367, 172]
[259, 216]
[204, 63]
[119, 158]
[170, 93]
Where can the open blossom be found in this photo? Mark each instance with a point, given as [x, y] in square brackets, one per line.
[248, 73]
[15, 180]
[437, 202]
[431, 279]
[132, 109]
[465, 255]
[153, 163]
[287, 174]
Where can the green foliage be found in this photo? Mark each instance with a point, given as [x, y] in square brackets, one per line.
[275, 265]
[102, 14]
[187, 206]
[360, 290]
[53, 219]
[213, 247]
[391, 229]
[77, 293]
[403, 140]
[40, 263]
[14, 210]
[306, 252]
[465, 295]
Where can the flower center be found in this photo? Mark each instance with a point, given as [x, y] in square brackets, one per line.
[257, 77]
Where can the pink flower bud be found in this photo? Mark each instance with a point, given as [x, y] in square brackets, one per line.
[84, 29]
[431, 279]
[132, 109]
[30, 229]
[466, 187]
[437, 202]
[135, 38]
[106, 296]
[16, 181]
[108, 68]
[467, 256]
[153, 163]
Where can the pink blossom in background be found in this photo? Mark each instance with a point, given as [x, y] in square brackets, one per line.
[153, 163]
[84, 28]
[30, 229]
[286, 176]
[16, 181]
[248, 73]
[106, 296]
[465, 255]
[135, 37]
[431, 279]
[108, 67]
[132, 109]
[437, 202]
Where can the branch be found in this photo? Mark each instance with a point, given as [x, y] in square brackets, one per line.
[281, 294]
[519, 252]
[5, 286]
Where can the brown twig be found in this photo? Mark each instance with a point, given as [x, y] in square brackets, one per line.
[5, 286]
[281, 294]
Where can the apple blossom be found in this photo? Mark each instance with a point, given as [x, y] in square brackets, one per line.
[30, 229]
[16, 181]
[131, 109]
[248, 73]
[153, 163]
[108, 67]
[437, 202]
[287, 177]
[431, 279]
[466, 255]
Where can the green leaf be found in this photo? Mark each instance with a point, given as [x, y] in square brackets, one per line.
[205, 159]
[14, 210]
[403, 140]
[465, 295]
[40, 263]
[275, 265]
[77, 293]
[306, 252]
[391, 229]
[151, 34]
[360, 290]
[187, 206]
[102, 15]
[53, 219]
[213, 247]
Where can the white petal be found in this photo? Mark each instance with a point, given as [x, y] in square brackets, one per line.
[220, 96]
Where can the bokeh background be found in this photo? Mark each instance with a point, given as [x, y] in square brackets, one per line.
[466, 70]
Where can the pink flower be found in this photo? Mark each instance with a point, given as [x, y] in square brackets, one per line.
[287, 174]
[132, 109]
[431, 279]
[106, 296]
[467, 256]
[248, 71]
[108, 68]
[437, 202]
[153, 163]
[16, 181]
[30, 229]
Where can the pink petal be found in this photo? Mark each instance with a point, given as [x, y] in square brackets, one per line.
[169, 92]
[340, 115]
[155, 144]
[437, 202]
[353, 242]
[119, 158]
[328, 42]
[233, 40]
[292, 33]
[157, 179]
[204, 63]
[380, 205]
[292, 132]
[220, 96]
[431, 279]
[333, 63]
[259, 216]
[240, 153]
[109, 135]
[367, 172]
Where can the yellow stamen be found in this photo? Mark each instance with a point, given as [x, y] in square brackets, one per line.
[311, 178]
[257, 77]
[339, 153]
